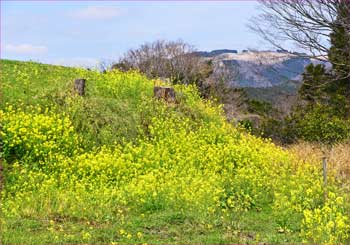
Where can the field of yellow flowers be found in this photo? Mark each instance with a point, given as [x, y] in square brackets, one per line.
[118, 166]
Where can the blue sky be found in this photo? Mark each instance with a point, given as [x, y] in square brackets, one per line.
[85, 32]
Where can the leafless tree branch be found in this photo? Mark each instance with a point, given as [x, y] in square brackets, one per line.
[307, 23]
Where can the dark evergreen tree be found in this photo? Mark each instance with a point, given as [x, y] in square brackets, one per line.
[325, 115]
[339, 57]
[315, 79]
[332, 88]
[339, 52]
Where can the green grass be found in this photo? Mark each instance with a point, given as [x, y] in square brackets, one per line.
[157, 228]
[32, 82]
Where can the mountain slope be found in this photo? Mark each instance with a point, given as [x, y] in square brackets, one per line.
[260, 69]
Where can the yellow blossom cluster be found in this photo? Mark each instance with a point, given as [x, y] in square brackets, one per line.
[213, 171]
[328, 224]
[36, 133]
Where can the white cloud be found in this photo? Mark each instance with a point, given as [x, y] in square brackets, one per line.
[98, 12]
[26, 49]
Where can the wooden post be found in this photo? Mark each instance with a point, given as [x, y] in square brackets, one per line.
[1, 167]
[166, 93]
[79, 86]
[326, 150]
[324, 168]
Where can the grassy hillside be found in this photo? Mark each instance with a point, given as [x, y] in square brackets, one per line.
[118, 166]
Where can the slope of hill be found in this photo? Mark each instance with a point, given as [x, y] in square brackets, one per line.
[118, 166]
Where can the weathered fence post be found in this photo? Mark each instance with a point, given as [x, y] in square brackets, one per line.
[324, 169]
[79, 86]
[1, 167]
[166, 93]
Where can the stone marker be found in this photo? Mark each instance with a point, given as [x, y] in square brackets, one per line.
[165, 93]
[79, 86]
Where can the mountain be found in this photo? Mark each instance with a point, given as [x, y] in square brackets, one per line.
[266, 76]
[261, 69]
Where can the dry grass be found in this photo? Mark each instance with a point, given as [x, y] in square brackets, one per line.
[338, 157]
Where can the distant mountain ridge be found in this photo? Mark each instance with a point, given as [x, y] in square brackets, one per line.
[216, 52]
[260, 69]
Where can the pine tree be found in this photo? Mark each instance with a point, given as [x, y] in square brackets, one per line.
[314, 82]
[326, 115]
[332, 88]
[339, 57]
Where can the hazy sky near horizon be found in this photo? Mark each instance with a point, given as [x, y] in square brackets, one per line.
[85, 32]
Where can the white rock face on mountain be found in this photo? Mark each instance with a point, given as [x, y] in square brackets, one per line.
[263, 57]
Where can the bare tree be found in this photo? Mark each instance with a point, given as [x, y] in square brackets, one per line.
[307, 23]
[312, 25]
[175, 60]
[104, 65]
